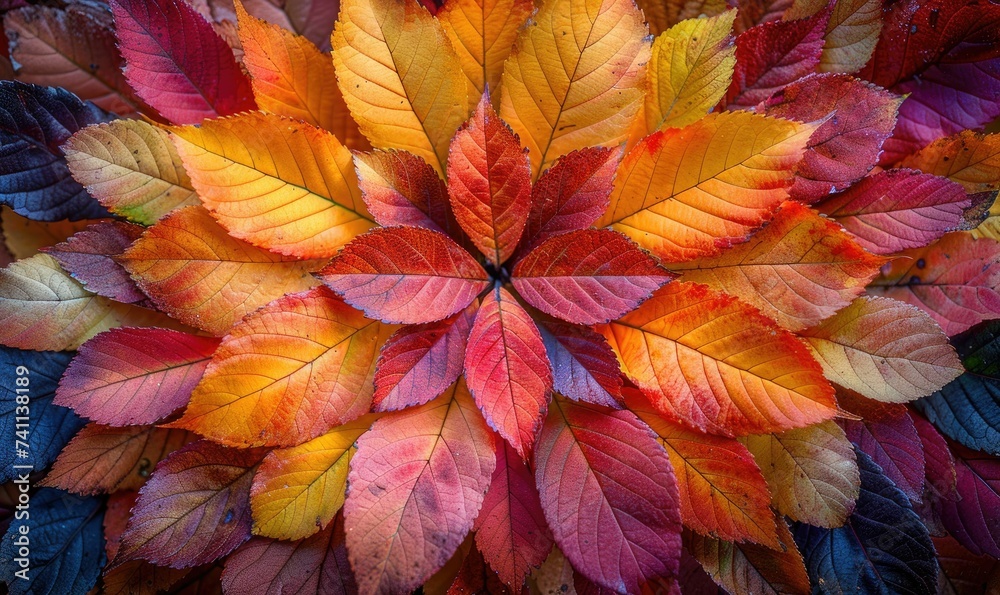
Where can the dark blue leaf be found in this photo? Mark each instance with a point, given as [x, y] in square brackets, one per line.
[64, 544]
[34, 179]
[967, 410]
[49, 427]
[884, 547]
[979, 348]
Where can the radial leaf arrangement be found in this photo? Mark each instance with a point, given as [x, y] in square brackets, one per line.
[500, 296]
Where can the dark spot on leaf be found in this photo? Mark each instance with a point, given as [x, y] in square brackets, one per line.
[921, 263]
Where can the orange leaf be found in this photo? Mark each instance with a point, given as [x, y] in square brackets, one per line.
[812, 472]
[400, 76]
[297, 491]
[575, 78]
[507, 369]
[723, 493]
[291, 77]
[483, 33]
[102, 459]
[193, 270]
[798, 270]
[885, 350]
[685, 193]
[715, 363]
[417, 483]
[969, 158]
[43, 308]
[409, 275]
[130, 167]
[287, 373]
[279, 184]
[489, 181]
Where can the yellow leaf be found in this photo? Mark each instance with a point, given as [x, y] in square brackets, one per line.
[988, 229]
[23, 237]
[851, 35]
[803, 9]
[43, 308]
[400, 77]
[291, 77]
[685, 193]
[130, 167]
[812, 472]
[276, 183]
[575, 78]
[483, 33]
[297, 491]
[689, 71]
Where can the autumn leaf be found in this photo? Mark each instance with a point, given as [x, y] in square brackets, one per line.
[575, 78]
[584, 368]
[88, 256]
[901, 354]
[968, 158]
[312, 361]
[400, 188]
[408, 275]
[134, 376]
[751, 568]
[400, 77]
[689, 192]
[168, 37]
[489, 182]
[507, 370]
[798, 270]
[193, 270]
[617, 538]
[130, 167]
[276, 183]
[441, 451]
[851, 35]
[716, 364]
[285, 69]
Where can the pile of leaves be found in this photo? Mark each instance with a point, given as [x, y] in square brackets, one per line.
[497, 296]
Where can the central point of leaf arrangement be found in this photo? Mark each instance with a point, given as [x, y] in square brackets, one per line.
[498, 274]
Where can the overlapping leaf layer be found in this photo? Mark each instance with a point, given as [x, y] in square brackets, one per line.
[500, 296]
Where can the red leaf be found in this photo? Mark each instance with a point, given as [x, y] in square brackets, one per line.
[510, 529]
[134, 376]
[87, 255]
[973, 519]
[956, 280]
[584, 368]
[400, 188]
[507, 370]
[917, 33]
[194, 509]
[418, 363]
[417, 483]
[103, 459]
[898, 209]
[886, 434]
[772, 55]
[572, 194]
[177, 63]
[847, 145]
[489, 180]
[609, 494]
[408, 275]
[475, 577]
[588, 277]
[939, 471]
[317, 564]
[945, 100]
[962, 572]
